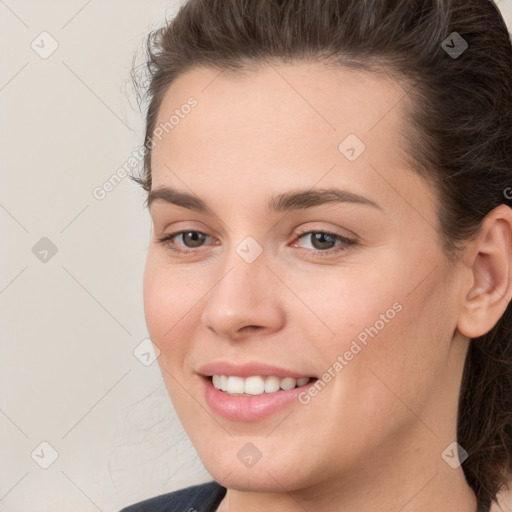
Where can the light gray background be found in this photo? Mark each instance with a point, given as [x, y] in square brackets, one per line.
[70, 324]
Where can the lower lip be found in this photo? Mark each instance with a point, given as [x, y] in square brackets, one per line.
[249, 408]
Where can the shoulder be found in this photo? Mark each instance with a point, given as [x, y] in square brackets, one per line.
[196, 498]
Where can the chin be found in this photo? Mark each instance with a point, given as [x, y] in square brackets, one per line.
[253, 479]
[237, 465]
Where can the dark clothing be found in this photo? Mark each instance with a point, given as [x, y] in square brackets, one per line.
[197, 498]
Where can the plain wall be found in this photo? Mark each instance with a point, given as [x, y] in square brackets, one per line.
[72, 320]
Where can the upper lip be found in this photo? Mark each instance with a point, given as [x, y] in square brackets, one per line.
[248, 369]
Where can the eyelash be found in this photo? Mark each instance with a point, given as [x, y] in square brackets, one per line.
[166, 241]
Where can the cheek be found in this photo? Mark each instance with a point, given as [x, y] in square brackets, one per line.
[157, 299]
[355, 304]
[404, 358]
[169, 311]
[170, 302]
[393, 327]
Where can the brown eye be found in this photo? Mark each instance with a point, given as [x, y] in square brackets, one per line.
[323, 243]
[190, 240]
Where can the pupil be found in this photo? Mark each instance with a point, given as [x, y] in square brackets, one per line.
[319, 238]
[196, 238]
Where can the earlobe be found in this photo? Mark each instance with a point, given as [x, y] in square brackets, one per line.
[491, 270]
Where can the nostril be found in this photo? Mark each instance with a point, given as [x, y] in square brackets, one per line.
[250, 327]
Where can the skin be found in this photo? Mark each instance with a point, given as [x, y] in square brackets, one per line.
[372, 439]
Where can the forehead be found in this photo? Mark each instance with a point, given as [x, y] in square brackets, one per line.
[280, 123]
[277, 105]
[326, 97]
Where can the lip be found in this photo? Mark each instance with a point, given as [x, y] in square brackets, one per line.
[248, 369]
[248, 408]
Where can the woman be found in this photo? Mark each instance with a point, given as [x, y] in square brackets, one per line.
[329, 273]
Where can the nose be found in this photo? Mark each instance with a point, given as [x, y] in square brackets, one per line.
[244, 301]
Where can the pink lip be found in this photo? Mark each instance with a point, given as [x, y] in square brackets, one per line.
[247, 370]
[249, 408]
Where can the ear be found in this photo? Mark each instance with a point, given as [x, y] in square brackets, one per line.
[490, 271]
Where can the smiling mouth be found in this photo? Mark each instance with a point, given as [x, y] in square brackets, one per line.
[257, 384]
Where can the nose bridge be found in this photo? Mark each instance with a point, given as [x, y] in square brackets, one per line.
[243, 275]
[241, 295]
[247, 260]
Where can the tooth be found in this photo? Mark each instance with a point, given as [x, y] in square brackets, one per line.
[254, 385]
[271, 384]
[235, 385]
[287, 383]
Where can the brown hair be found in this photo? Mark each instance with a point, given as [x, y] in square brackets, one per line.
[459, 135]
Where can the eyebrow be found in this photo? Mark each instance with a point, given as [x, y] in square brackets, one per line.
[292, 200]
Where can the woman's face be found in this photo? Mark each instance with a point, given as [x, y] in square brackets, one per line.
[281, 281]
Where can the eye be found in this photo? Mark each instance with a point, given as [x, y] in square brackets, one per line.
[191, 239]
[324, 242]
